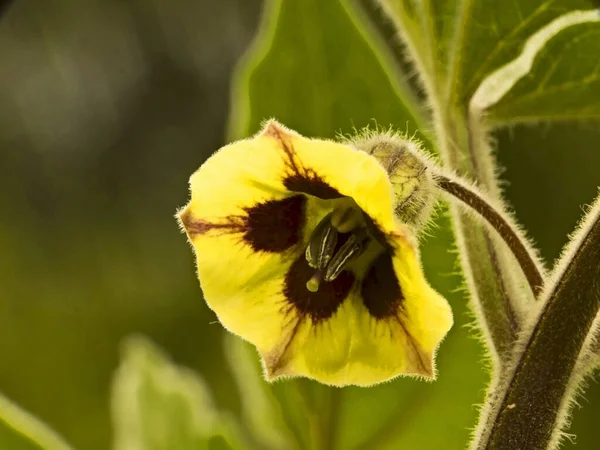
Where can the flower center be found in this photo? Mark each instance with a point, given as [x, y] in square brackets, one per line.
[340, 238]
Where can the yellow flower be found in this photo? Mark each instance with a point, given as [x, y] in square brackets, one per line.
[298, 252]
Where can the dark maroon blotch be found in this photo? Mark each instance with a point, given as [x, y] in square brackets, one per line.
[300, 178]
[275, 225]
[376, 233]
[310, 183]
[381, 291]
[320, 305]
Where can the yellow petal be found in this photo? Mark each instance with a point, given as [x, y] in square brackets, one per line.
[351, 172]
[278, 162]
[252, 172]
[356, 347]
[241, 275]
[253, 206]
[429, 314]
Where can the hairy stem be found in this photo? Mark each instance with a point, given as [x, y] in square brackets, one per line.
[487, 288]
[507, 231]
[498, 296]
[529, 405]
[499, 290]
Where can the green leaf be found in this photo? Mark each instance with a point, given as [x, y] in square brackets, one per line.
[563, 83]
[427, 28]
[492, 33]
[457, 44]
[318, 68]
[19, 430]
[159, 406]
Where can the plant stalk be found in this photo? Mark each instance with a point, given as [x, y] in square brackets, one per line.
[498, 297]
[529, 406]
[507, 231]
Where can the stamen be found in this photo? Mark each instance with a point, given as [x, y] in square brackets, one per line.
[352, 249]
[321, 244]
[313, 284]
[322, 252]
[346, 219]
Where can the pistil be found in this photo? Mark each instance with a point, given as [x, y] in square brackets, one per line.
[313, 284]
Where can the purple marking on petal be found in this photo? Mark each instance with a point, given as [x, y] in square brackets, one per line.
[310, 183]
[271, 226]
[300, 178]
[275, 225]
[381, 291]
[320, 305]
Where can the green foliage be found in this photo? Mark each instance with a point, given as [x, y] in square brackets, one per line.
[464, 86]
[321, 68]
[459, 44]
[19, 430]
[159, 406]
[563, 84]
[458, 76]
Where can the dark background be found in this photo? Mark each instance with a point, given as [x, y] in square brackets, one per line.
[106, 108]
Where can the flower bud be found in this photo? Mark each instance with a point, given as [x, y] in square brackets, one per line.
[409, 172]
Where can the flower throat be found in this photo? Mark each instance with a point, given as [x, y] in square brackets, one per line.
[337, 240]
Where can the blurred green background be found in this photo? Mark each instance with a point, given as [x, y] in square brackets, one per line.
[106, 108]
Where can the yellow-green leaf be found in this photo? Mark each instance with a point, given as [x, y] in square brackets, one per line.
[20, 430]
[157, 405]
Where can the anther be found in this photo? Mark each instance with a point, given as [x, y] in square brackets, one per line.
[322, 252]
[321, 244]
[349, 251]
